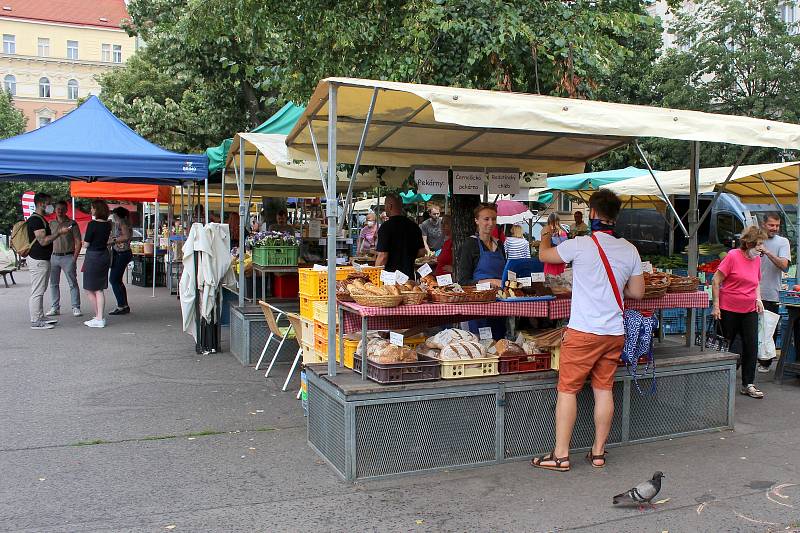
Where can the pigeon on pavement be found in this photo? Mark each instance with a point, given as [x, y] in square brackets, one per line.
[641, 493]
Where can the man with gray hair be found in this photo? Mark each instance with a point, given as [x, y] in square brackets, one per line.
[776, 255]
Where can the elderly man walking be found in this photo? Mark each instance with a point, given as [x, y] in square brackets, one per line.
[66, 249]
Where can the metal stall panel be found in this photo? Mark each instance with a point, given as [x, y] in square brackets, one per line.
[428, 433]
[326, 427]
[530, 420]
[685, 402]
[237, 325]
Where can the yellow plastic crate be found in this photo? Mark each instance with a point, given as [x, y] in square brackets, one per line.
[321, 311]
[309, 355]
[313, 284]
[470, 368]
[555, 356]
[350, 347]
[307, 307]
[307, 334]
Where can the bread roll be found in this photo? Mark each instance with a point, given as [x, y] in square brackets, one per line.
[374, 289]
[506, 347]
[463, 350]
[393, 289]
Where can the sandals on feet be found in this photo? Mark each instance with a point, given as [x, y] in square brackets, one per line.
[592, 458]
[536, 462]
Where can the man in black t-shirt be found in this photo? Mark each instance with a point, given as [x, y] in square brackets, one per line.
[39, 258]
[399, 239]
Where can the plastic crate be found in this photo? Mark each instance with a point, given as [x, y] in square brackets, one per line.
[307, 333]
[350, 347]
[275, 255]
[470, 368]
[284, 285]
[321, 311]
[309, 354]
[519, 364]
[307, 307]
[790, 297]
[314, 283]
[425, 369]
[321, 340]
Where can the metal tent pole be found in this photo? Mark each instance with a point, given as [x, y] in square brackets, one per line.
[222, 198]
[332, 207]
[205, 186]
[661, 189]
[169, 247]
[243, 210]
[693, 219]
[357, 160]
[155, 248]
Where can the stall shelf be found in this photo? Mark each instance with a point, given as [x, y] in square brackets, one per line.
[367, 430]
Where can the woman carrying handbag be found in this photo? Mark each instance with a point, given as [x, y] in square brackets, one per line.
[737, 301]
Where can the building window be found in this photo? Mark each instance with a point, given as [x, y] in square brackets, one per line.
[117, 53]
[44, 121]
[564, 203]
[9, 44]
[105, 53]
[72, 89]
[44, 88]
[10, 84]
[43, 45]
[72, 50]
[790, 13]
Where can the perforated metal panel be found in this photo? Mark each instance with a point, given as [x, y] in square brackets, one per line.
[423, 434]
[326, 426]
[259, 333]
[530, 421]
[237, 338]
[684, 402]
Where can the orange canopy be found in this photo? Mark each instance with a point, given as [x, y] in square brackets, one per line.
[121, 191]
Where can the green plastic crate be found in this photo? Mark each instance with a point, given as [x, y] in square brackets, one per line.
[275, 255]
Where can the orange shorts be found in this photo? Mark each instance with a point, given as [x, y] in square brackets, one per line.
[583, 354]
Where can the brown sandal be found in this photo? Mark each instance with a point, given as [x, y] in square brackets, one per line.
[536, 462]
[592, 458]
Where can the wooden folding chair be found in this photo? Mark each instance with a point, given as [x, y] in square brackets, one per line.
[279, 332]
[296, 325]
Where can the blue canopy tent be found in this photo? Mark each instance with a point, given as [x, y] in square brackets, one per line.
[91, 144]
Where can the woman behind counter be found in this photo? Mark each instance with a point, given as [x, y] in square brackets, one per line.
[368, 237]
[482, 260]
[558, 235]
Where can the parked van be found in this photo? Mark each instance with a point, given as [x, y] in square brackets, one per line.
[648, 230]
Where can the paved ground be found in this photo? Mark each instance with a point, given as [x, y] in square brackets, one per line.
[127, 429]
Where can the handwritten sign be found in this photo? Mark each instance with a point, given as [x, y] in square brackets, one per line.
[431, 181]
[647, 266]
[444, 280]
[504, 182]
[359, 267]
[322, 242]
[468, 181]
[315, 229]
[400, 277]
[537, 277]
[319, 268]
[512, 276]
[524, 282]
[485, 333]
[424, 270]
[388, 278]
[483, 287]
[396, 338]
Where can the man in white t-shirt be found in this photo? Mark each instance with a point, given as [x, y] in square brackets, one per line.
[594, 338]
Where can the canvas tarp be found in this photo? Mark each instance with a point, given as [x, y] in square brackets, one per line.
[745, 183]
[91, 144]
[424, 125]
[130, 192]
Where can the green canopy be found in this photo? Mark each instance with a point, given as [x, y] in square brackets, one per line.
[589, 181]
[281, 122]
[410, 197]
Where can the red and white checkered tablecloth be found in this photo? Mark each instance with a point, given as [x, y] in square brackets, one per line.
[560, 308]
[405, 316]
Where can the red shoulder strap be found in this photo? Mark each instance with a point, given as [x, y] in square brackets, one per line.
[609, 272]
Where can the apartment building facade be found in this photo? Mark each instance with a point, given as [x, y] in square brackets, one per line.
[54, 49]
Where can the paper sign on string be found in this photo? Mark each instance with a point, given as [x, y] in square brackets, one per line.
[468, 181]
[358, 267]
[400, 277]
[524, 282]
[388, 278]
[504, 182]
[431, 181]
[485, 333]
[512, 276]
[424, 270]
[537, 277]
[444, 280]
[319, 268]
[483, 287]
[396, 338]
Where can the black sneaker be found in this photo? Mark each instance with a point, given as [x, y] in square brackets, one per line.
[121, 311]
[41, 324]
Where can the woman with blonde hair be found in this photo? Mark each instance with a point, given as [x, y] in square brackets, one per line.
[737, 301]
[516, 245]
[557, 235]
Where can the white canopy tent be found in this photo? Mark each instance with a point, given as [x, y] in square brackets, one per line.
[401, 124]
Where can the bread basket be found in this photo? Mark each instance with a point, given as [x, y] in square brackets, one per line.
[413, 298]
[683, 284]
[655, 285]
[374, 300]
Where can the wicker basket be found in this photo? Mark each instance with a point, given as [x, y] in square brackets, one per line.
[373, 300]
[470, 295]
[413, 298]
[656, 285]
[683, 284]
[344, 297]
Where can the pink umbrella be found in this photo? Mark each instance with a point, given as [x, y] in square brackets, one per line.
[512, 212]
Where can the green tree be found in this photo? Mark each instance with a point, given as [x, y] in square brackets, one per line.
[12, 121]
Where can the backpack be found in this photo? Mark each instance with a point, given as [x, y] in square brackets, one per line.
[639, 328]
[20, 242]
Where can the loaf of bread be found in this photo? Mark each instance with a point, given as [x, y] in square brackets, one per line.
[507, 347]
[462, 350]
[445, 337]
[393, 354]
[393, 289]
[430, 281]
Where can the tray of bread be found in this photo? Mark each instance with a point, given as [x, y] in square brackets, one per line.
[461, 354]
[388, 363]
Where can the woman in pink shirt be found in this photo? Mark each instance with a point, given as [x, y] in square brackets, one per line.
[737, 301]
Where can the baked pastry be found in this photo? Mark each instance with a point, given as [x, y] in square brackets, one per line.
[462, 350]
[445, 337]
[507, 348]
[393, 354]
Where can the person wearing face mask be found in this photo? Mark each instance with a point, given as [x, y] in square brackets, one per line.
[368, 237]
[41, 251]
[737, 301]
[432, 235]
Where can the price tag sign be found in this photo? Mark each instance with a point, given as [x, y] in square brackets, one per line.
[388, 278]
[524, 282]
[319, 268]
[537, 277]
[424, 270]
[512, 276]
[483, 287]
[348, 241]
[322, 242]
[358, 267]
[485, 333]
[396, 338]
[400, 277]
[444, 280]
[647, 266]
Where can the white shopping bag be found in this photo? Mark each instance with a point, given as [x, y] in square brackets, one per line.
[767, 322]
